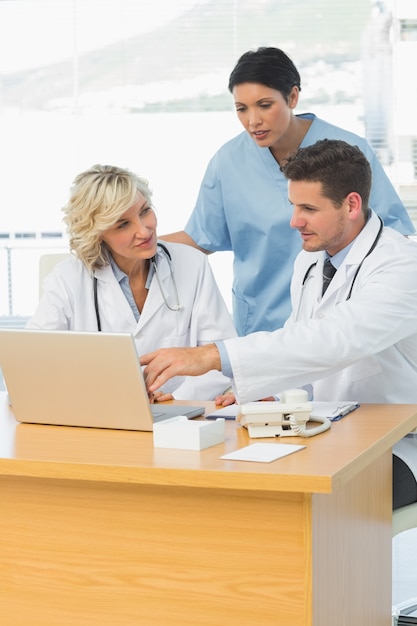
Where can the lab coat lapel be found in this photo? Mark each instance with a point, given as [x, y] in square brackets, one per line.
[308, 293]
[112, 302]
[343, 278]
[154, 301]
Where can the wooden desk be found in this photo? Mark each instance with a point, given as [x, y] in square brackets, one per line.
[100, 528]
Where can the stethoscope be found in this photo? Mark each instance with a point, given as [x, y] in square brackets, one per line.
[174, 307]
[371, 249]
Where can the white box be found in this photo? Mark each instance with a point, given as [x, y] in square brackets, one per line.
[184, 434]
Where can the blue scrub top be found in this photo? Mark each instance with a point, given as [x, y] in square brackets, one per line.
[243, 206]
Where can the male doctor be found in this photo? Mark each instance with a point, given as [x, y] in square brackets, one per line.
[356, 340]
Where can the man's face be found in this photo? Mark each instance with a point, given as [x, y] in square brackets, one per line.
[322, 226]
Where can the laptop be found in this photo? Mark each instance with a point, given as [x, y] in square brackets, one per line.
[85, 379]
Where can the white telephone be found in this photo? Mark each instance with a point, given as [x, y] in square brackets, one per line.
[287, 418]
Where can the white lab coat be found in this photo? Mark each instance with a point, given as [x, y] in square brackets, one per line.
[68, 304]
[363, 348]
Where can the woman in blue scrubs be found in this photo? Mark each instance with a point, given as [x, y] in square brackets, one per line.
[243, 204]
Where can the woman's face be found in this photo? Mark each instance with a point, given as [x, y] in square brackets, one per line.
[264, 112]
[133, 236]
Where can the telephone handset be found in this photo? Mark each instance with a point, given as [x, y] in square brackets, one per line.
[287, 418]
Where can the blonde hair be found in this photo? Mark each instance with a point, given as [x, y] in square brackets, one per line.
[99, 196]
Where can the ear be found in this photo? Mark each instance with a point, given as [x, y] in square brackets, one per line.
[354, 202]
[293, 97]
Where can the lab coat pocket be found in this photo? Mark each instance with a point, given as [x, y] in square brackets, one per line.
[176, 341]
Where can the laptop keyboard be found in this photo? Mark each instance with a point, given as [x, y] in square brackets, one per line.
[171, 410]
[157, 414]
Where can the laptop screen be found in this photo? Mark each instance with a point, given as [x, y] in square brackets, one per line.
[78, 379]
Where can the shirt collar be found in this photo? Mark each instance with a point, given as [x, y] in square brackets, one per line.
[120, 275]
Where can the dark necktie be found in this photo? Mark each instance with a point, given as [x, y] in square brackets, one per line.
[329, 271]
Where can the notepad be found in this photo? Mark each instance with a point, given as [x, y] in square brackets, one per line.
[334, 411]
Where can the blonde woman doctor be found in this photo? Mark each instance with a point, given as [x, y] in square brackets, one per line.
[121, 279]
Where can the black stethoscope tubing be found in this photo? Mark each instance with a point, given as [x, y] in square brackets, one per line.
[371, 249]
[175, 308]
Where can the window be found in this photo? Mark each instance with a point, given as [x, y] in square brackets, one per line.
[408, 30]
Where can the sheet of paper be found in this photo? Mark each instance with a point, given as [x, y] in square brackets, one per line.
[262, 452]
